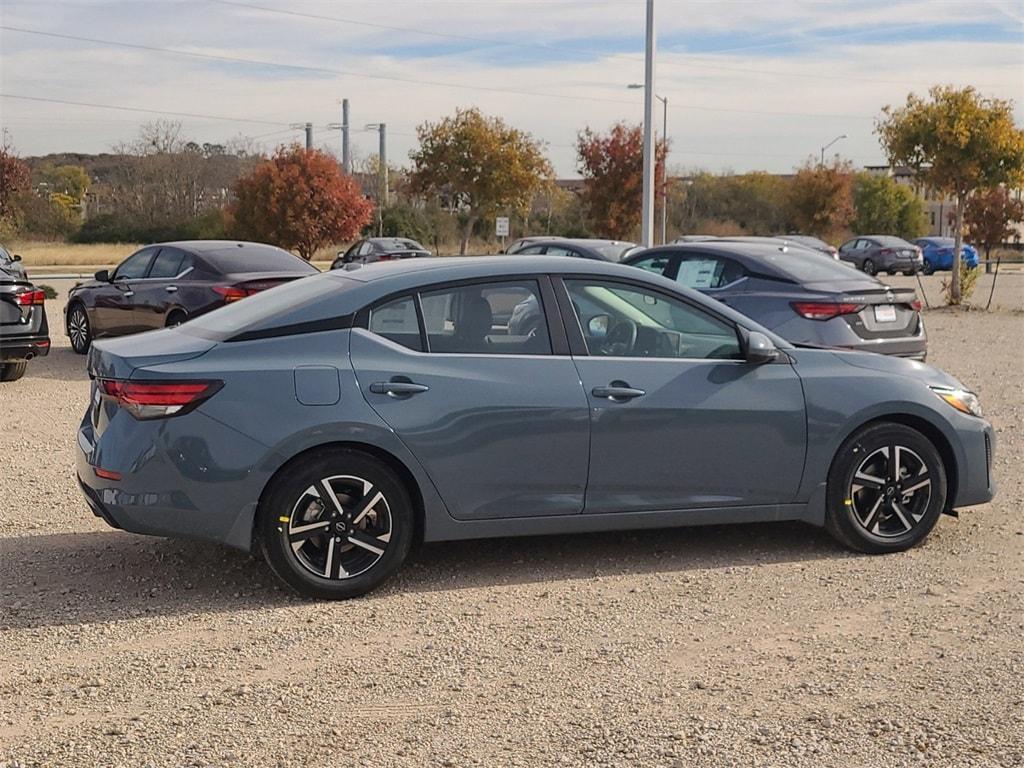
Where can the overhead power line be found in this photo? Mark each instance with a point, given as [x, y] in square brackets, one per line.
[199, 115]
[676, 104]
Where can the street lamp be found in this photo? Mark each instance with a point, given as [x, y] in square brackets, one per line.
[837, 138]
[664, 138]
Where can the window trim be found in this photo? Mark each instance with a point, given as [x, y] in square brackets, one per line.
[578, 341]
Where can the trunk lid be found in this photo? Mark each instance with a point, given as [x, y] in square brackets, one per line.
[119, 358]
[887, 313]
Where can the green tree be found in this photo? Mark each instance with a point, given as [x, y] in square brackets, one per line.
[821, 199]
[956, 141]
[882, 206]
[612, 165]
[70, 180]
[479, 165]
[298, 199]
[988, 216]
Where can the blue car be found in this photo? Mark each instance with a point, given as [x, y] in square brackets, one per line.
[801, 294]
[332, 422]
[938, 253]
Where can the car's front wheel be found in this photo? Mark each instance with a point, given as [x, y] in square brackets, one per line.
[78, 329]
[869, 267]
[886, 489]
[336, 524]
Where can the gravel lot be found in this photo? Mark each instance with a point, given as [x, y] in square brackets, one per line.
[750, 645]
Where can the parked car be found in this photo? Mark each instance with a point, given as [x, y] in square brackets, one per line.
[517, 245]
[380, 249]
[331, 422]
[170, 283]
[938, 253]
[802, 295]
[582, 248]
[24, 333]
[808, 241]
[10, 263]
[882, 253]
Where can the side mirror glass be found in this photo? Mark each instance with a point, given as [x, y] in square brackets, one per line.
[759, 349]
[103, 276]
[597, 326]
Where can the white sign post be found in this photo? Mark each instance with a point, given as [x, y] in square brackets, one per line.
[501, 229]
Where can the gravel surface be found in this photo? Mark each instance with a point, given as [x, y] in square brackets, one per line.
[749, 646]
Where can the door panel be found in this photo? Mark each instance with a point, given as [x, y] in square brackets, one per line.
[115, 304]
[155, 295]
[705, 433]
[499, 435]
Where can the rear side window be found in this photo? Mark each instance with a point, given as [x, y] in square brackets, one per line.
[255, 258]
[397, 322]
[170, 262]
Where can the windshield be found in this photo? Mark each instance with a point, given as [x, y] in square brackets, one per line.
[892, 242]
[256, 258]
[297, 301]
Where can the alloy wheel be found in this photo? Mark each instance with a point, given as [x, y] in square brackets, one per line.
[339, 527]
[78, 329]
[890, 491]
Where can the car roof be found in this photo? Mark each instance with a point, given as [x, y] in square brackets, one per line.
[202, 246]
[761, 247]
[467, 267]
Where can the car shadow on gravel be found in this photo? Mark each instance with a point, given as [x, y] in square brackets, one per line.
[84, 578]
[62, 364]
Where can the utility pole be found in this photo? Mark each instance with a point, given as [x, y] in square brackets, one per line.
[308, 127]
[647, 221]
[826, 146]
[343, 126]
[382, 155]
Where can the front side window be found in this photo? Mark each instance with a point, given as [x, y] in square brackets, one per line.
[531, 250]
[135, 266]
[397, 322]
[701, 272]
[505, 318]
[620, 320]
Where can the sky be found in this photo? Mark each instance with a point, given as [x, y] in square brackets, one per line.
[750, 84]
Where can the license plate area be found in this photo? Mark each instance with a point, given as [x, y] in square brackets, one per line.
[885, 313]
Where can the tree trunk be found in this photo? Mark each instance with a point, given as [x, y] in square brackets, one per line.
[958, 240]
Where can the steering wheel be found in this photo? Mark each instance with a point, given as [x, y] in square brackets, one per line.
[620, 339]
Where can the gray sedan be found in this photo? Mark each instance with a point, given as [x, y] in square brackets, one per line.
[882, 253]
[332, 422]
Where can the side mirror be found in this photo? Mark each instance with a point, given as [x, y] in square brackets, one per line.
[597, 326]
[759, 349]
[15, 257]
[103, 276]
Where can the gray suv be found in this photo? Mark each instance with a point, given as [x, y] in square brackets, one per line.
[882, 253]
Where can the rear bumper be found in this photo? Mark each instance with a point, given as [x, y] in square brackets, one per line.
[23, 348]
[914, 348]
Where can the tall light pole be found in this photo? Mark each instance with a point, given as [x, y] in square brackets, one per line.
[382, 130]
[647, 213]
[664, 138]
[826, 146]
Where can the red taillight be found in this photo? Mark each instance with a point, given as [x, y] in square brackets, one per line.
[31, 299]
[106, 474]
[886, 252]
[824, 310]
[157, 399]
[232, 292]
[916, 305]
[386, 257]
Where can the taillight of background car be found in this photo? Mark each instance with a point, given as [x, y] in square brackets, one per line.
[157, 399]
[31, 299]
[235, 292]
[825, 310]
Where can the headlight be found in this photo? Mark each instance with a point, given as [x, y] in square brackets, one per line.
[961, 399]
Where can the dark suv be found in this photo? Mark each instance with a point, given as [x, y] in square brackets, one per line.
[168, 283]
[23, 330]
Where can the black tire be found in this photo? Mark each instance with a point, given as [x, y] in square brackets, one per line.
[869, 267]
[13, 371]
[927, 268]
[882, 520]
[908, 273]
[175, 317]
[288, 510]
[78, 329]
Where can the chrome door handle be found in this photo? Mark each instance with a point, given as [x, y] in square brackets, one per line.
[399, 389]
[128, 294]
[171, 289]
[617, 392]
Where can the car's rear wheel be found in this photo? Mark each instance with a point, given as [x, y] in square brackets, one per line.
[176, 317]
[335, 525]
[869, 267]
[927, 268]
[908, 273]
[13, 371]
[886, 489]
[78, 329]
